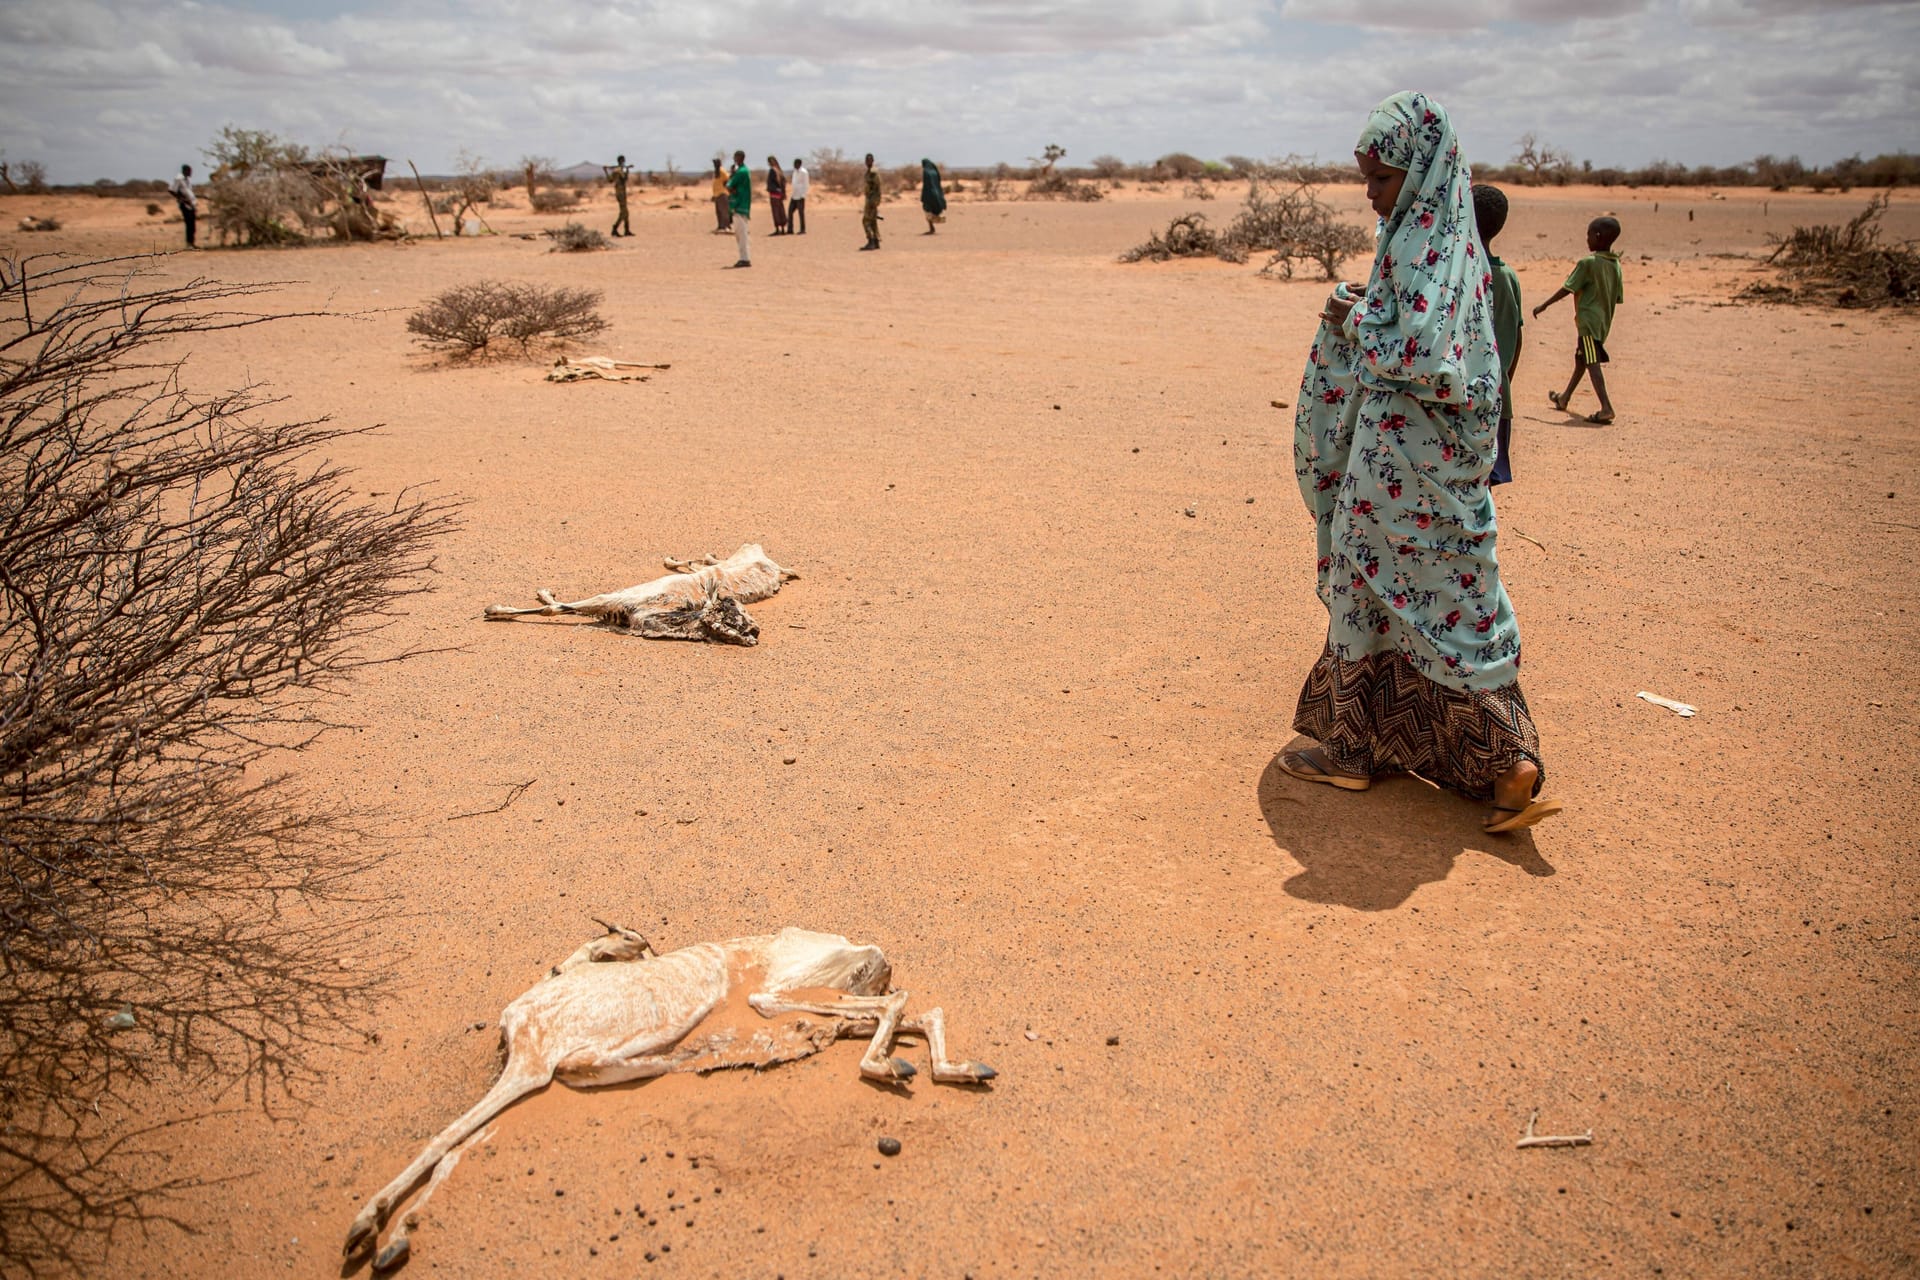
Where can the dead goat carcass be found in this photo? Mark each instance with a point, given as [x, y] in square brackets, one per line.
[700, 600]
[614, 1011]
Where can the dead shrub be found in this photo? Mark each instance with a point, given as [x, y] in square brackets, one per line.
[185, 585]
[554, 200]
[1054, 185]
[468, 319]
[1284, 216]
[1844, 266]
[834, 171]
[263, 206]
[1187, 236]
[576, 238]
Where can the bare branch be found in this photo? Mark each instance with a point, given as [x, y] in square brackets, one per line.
[185, 586]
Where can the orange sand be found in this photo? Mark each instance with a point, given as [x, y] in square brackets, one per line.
[1035, 709]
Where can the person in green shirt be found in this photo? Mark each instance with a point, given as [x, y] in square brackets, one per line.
[1489, 216]
[740, 202]
[1596, 291]
[870, 208]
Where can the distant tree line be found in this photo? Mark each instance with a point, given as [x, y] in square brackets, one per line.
[1534, 162]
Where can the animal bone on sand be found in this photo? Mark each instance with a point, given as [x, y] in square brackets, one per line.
[700, 600]
[614, 1011]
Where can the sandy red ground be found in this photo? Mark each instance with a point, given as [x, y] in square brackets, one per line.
[1034, 710]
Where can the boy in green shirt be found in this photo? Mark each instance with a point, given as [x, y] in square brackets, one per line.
[1595, 288]
[1489, 216]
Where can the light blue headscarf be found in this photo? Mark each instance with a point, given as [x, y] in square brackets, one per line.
[1424, 322]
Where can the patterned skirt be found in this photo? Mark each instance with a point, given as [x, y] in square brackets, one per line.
[1378, 715]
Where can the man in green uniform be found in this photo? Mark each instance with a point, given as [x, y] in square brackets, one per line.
[740, 201]
[617, 174]
[870, 211]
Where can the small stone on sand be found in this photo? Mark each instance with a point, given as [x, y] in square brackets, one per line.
[889, 1146]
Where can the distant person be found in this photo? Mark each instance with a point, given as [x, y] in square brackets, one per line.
[740, 202]
[777, 195]
[617, 173]
[797, 188]
[722, 208]
[1490, 215]
[181, 188]
[933, 201]
[1596, 291]
[1393, 439]
[870, 207]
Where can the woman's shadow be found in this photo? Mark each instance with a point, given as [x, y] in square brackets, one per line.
[1370, 850]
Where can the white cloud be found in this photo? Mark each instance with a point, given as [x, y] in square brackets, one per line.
[124, 88]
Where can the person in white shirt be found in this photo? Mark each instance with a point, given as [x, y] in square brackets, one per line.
[181, 188]
[797, 183]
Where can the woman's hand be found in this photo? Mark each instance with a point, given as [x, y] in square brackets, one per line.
[1337, 306]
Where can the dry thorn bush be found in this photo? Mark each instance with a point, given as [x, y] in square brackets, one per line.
[185, 584]
[469, 318]
[1187, 236]
[577, 238]
[554, 200]
[1844, 266]
[1283, 216]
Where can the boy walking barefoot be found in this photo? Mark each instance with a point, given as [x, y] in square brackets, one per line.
[1595, 288]
[1489, 216]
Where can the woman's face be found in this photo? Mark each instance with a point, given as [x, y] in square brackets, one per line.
[1383, 182]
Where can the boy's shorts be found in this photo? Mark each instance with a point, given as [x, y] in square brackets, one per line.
[1590, 351]
[1502, 472]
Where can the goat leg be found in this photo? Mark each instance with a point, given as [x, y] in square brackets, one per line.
[933, 1025]
[854, 1015]
[513, 1085]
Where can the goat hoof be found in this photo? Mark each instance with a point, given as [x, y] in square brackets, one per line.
[902, 1069]
[981, 1072]
[360, 1237]
[393, 1255]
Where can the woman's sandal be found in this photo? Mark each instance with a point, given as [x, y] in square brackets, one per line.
[1600, 419]
[1515, 819]
[1309, 765]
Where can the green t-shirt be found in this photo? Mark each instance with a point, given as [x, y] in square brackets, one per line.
[740, 192]
[1508, 316]
[1595, 286]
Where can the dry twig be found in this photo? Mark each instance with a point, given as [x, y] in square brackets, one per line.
[1532, 1139]
[513, 794]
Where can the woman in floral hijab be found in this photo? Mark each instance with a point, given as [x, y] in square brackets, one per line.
[1393, 440]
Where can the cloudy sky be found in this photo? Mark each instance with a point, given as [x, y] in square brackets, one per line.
[131, 88]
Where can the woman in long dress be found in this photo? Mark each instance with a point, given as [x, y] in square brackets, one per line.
[777, 195]
[933, 200]
[1393, 440]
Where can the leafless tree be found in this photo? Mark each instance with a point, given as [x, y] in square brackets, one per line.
[23, 175]
[185, 583]
[533, 171]
[1542, 163]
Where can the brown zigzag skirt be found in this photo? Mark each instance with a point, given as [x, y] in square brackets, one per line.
[1378, 715]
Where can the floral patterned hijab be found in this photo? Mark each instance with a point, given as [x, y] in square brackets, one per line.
[1425, 324]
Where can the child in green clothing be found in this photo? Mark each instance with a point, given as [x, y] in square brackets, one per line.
[1595, 289]
[1489, 216]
